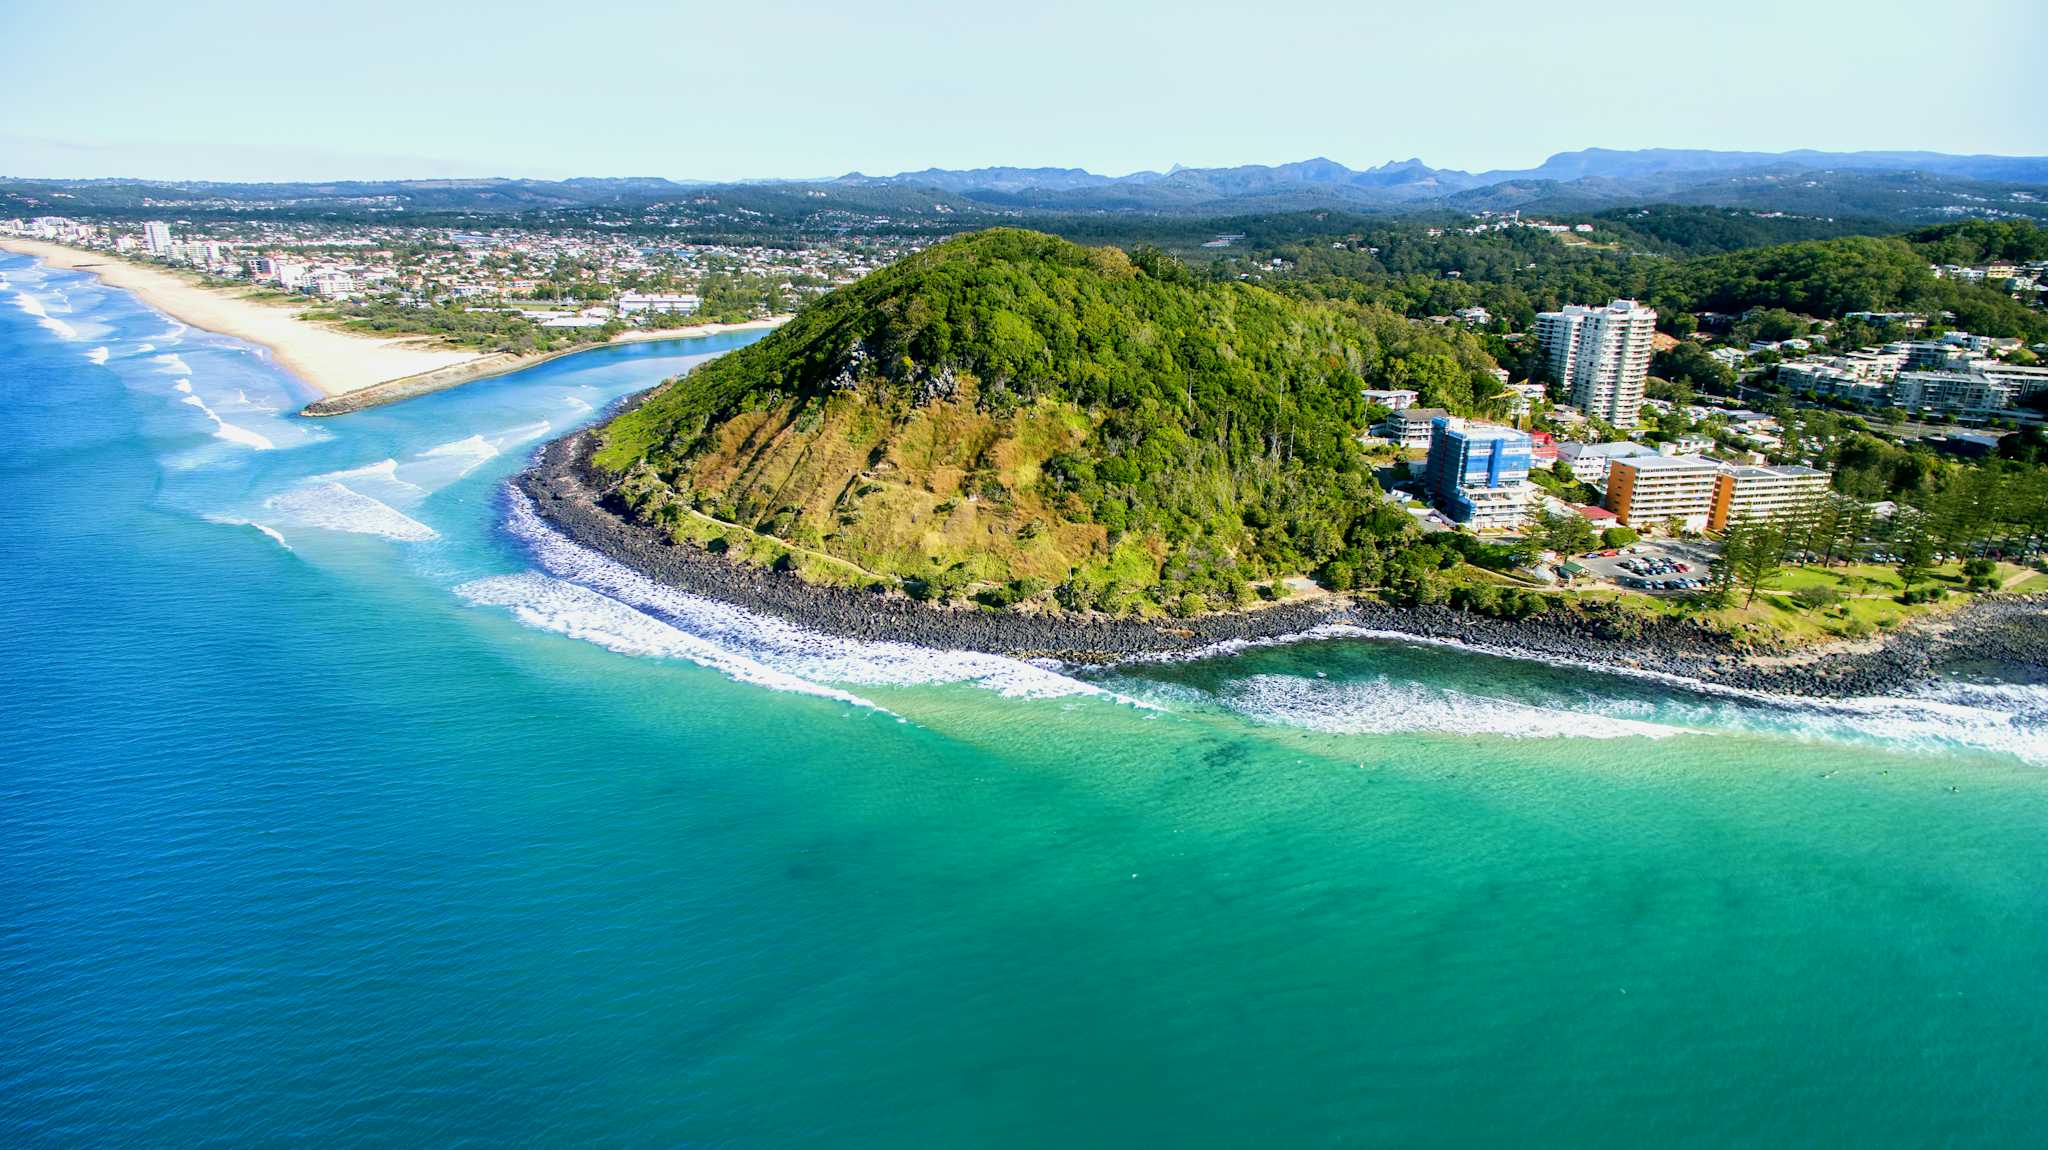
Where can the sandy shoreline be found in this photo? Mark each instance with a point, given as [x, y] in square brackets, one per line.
[350, 371]
[330, 361]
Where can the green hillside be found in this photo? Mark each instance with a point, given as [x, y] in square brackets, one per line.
[1007, 413]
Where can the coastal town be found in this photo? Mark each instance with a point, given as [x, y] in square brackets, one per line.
[1591, 446]
[559, 281]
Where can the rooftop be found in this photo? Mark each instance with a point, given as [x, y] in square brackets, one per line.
[1668, 463]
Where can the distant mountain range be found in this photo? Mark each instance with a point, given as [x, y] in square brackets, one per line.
[1588, 178]
[1903, 185]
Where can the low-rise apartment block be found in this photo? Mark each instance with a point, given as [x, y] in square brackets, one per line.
[1742, 493]
[1645, 491]
[1409, 427]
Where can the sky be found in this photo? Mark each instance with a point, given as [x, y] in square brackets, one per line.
[767, 88]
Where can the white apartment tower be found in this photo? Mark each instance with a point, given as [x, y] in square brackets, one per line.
[156, 238]
[1601, 355]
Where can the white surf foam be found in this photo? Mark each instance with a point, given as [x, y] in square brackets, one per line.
[578, 402]
[384, 469]
[242, 399]
[34, 307]
[476, 450]
[1384, 706]
[786, 647]
[1937, 716]
[581, 613]
[267, 530]
[222, 429]
[97, 355]
[338, 507]
[172, 364]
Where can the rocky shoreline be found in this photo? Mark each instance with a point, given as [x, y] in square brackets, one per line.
[2003, 629]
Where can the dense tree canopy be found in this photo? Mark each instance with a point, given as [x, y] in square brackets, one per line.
[1221, 420]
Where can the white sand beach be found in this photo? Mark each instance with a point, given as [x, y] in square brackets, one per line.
[331, 361]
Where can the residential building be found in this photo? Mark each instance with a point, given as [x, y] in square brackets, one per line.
[1825, 377]
[1410, 426]
[1646, 491]
[156, 238]
[332, 283]
[1542, 449]
[1762, 493]
[632, 303]
[1588, 462]
[1478, 474]
[1396, 399]
[1948, 391]
[1601, 356]
[2020, 381]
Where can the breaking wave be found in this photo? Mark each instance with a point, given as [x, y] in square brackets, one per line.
[98, 355]
[34, 307]
[1385, 706]
[383, 469]
[581, 613]
[338, 507]
[268, 531]
[781, 646]
[1943, 715]
[222, 429]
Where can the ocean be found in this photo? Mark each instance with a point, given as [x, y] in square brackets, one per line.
[342, 803]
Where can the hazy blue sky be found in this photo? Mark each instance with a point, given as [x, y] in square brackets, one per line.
[770, 88]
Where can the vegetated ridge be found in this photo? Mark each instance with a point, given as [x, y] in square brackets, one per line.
[1007, 414]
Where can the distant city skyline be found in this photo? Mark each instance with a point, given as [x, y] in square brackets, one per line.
[238, 91]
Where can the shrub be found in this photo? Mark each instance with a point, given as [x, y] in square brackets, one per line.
[1816, 597]
[1618, 536]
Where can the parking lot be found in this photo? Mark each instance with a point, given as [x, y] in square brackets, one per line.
[1658, 561]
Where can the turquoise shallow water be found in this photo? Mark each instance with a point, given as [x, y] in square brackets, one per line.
[390, 821]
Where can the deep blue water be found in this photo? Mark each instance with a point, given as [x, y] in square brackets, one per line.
[339, 804]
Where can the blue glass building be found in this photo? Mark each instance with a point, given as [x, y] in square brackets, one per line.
[1477, 474]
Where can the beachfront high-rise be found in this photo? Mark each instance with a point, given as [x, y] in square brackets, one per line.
[1478, 474]
[1601, 355]
[156, 238]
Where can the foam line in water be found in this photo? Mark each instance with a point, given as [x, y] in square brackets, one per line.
[1935, 716]
[97, 355]
[384, 469]
[785, 646]
[222, 429]
[265, 529]
[338, 507]
[581, 613]
[34, 307]
[1384, 706]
